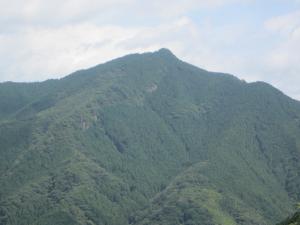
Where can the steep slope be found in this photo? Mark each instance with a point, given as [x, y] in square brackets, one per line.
[147, 139]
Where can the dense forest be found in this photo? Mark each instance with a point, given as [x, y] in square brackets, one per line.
[148, 139]
[292, 220]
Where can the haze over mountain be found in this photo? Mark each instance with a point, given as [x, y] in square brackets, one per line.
[147, 139]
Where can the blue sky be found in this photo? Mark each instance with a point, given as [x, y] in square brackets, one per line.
[251, 39]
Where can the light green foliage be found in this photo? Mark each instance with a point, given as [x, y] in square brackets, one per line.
[147, 139]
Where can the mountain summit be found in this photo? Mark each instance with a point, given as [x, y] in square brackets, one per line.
[166, 52]
[147, 139]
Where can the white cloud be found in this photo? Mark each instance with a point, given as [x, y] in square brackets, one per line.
[283, 60]
[56, 13]
[284, 24]
[53, 52]
[47, 39]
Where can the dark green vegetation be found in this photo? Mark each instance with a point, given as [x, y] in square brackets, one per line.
[147, 139]
[293, 220]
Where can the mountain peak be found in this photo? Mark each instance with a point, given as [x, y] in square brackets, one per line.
[165, 52]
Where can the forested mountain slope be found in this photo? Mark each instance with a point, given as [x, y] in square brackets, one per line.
[147, 139]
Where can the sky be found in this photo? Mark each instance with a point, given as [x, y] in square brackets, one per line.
[251, 39]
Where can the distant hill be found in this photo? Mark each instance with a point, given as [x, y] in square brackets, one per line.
[147, 139]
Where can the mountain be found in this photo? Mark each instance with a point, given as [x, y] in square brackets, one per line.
[147, 139]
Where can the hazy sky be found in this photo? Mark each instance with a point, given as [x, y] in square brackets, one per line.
[252, 39]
